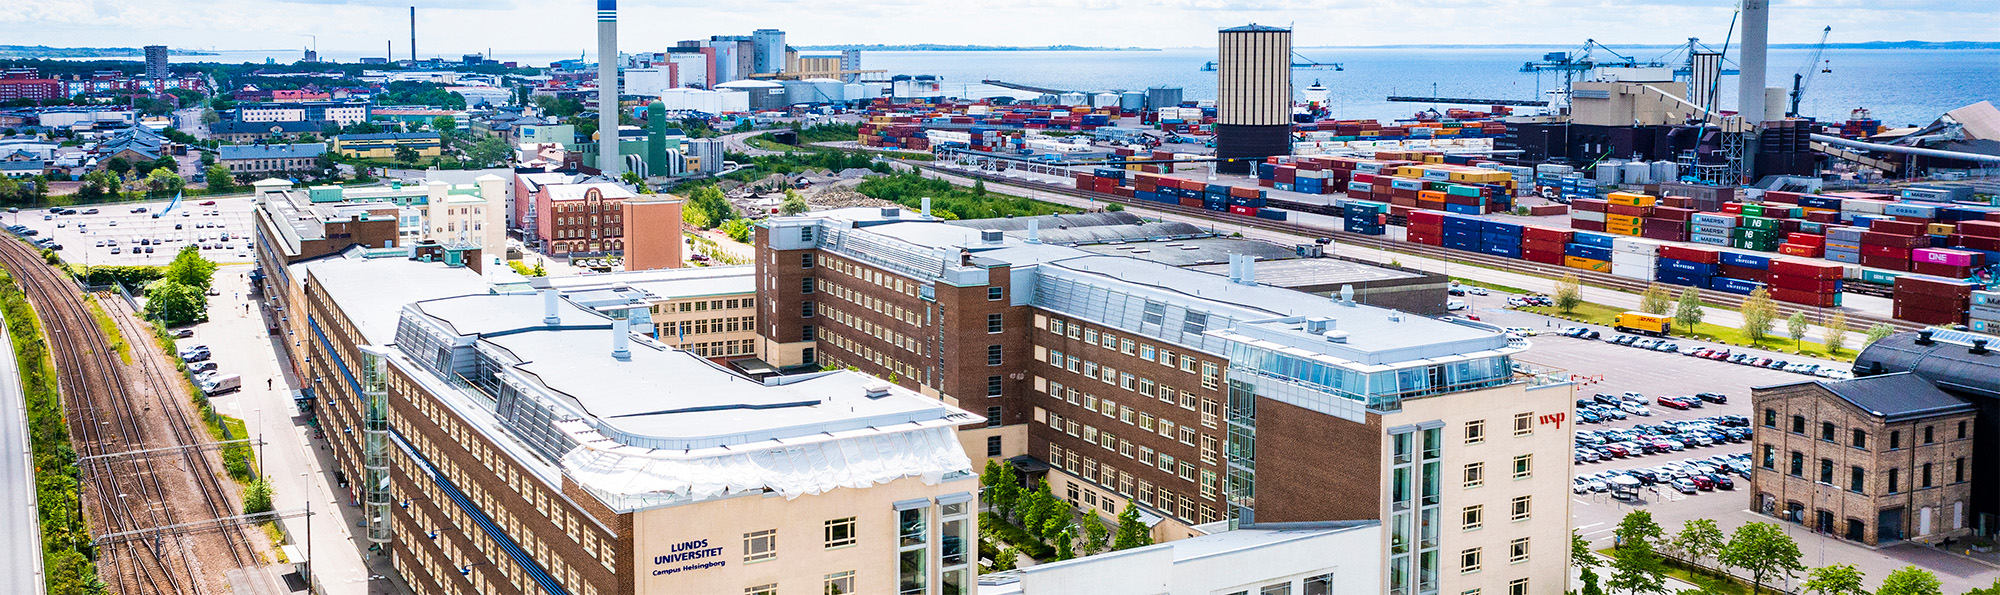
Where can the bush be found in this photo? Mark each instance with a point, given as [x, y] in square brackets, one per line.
[1016, 536]
[954, 202]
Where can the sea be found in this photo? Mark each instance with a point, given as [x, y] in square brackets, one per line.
[1898, 86]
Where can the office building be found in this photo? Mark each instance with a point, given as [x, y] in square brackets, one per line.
[1197, 398]
[586, 219]
[769, 51]
[253, 132]
[156, 62]
[583, 459]
[384, 145]
[253, 160]
[338, 112]
[708, 311]
[1306, 559]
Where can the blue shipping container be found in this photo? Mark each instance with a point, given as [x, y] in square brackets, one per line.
[1684, 266]
[1583, 251]
[1593, 239]
[1513, 251]
[1740, 259]
[1501, 228]
[1462, 209]
[1736, 286]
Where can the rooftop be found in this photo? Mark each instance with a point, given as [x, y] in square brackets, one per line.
[1313, 272]
[1901, 396]
[660, 284]
[288, 151]
[1196, 252]
[372, 290]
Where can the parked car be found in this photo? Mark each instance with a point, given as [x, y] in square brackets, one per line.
[203, 366]
[1672, 402]
[1717, 398]
[1636, 409]
[1684, 486]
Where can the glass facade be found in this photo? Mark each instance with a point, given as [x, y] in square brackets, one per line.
[912, 555]
[1378, 390]
[1415, 487]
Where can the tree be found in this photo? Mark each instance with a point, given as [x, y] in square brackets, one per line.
[1993, 590]
[1064, 538]
[1763, 549]
[1002, 487]
[1131, 532]
[208, 116]
[1586, 563]
[794, 203]
[1656, 300]
[1687, 313]
[219, 179]
[163, 180]
[1639, 568]
[1568, 294]
[1910, 580]
[1835, 335]
[979, 187]
[175, 303]
[1699, 538]
[706, 208]
[192, 269]
[1759, 312]
[257, 498]
[1796, 326]
[407, 156]
[488, 151]
[118, 165]
[1878, 332]
[1006, 559]
[737, 229]
[1838, 579]
[444, 124]
[1095, 534]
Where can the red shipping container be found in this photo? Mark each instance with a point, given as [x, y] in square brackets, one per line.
[1432, 217]
[1946, 290]
[1790, 198]
[1424, 238]
[1940, 269]
[1799, 268]
[1984, 229]
[1560, 236]
[1808, 251]
[1927, 315]
[1823, 216]
[1674, 213]
[1670, 235]
[1628, 210]
[1589, 204]
[1691, 254]
[1733, 208]
[1804, 284]
[1242, 210]
[1191, 202]
[1542, 256]
[1885, 262]
[1267, 183]
[1878, 238]
[1587, 225]
[1662, 224]
[1905, 228]
[1823, 300]
[1243, 192]
[1805, 239]
[1885, 251]
[1975, 242]
[1528, 243]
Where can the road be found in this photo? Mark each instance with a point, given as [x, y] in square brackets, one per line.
[1617, 299]
[733, 143]
[20, 527]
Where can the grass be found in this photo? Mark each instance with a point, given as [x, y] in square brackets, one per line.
[1709, 582]
[1600, 314]
[239, 460]
[764, 142]
[65, 533]
[1492, 286]
[110, 329]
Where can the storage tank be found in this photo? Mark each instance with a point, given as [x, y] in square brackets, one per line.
[1106, 99]
[763, 95]
[827, 90]
[1131, 101]
[797, 92]
[854, 92]
[1666, 172]
[1637, 172]
[1608, 172]
[1048, 99]
[1073, 99]
[1159, 97]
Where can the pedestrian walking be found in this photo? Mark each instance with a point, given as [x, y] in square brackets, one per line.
[268, 383]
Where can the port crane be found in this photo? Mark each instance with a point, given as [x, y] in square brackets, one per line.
[1570, 65]
[1803, 78]
[1299, 61]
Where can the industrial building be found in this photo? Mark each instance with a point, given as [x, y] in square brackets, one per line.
[1203, 400]
[1253, 100]
[585, 459]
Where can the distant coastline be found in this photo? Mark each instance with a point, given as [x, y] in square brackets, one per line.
[935, 47]
[1864, 45]
[42, 51]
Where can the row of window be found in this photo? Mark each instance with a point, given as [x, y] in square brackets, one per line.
[1168, 463]
[1471, 560]
[878, 305]
[1473, 518]
[879, 332]
[1160, 498]
[1210, 409]
[674, 329]
[866, 274]
[722, 348]
[1211, 373]
[1475, 473]
[869, 354]
[706, 305]
[1857, 437]
[1856, 475]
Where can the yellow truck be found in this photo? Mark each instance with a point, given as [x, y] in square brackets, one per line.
[1643, 323]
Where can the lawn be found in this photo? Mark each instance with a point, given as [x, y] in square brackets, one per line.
[1493, 286]
[1600, 314]
[1704, 578]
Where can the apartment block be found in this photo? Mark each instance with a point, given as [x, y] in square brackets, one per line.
[1204, 400]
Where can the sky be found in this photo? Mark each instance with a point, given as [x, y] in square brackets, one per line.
[453, 27]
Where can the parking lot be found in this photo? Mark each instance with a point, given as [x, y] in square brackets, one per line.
[87, 237]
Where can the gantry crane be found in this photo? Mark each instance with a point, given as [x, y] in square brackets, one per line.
[1569, 65]
[1803, 78]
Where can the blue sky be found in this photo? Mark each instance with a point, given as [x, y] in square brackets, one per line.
[451, 27]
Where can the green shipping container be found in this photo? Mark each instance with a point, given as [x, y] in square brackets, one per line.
[1753, 210]
[1457, 190]
[1758, 245]
[1745, 233]
[1760, 223]
[1879, 276]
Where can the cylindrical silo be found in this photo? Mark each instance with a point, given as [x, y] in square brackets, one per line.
[1159, 97]
[1253, 105]
[1131, 101]
[1105, 99]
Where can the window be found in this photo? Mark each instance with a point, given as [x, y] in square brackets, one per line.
[808, 355]
[806, 309]
[1472, 518]
[993, 384]
[1826, 431]
[1798, 424]
[1924, 477]
[1770, 457]
[1146, 352]
[1893, 487]
[1859, 440]
[911, 554]
[1475, 475]
[1798, 464]
[993, 324]
[1524, 424]
[840, 583]
[1090, 336]
[1854, 479]
[1770, 418]
[1961, 430]
[1524, 466]
[1475, 431]
[760, 545]
[1468, 561]
[766, 589]
[1126, 346]
[840, 532]
[806, 234]
[1517, 551]
[1958, 470]
[994, 294]
[993, 416]
[1194, 323]
[806, 332]
[1211, 375]
[993, 355]
[1826, 471]
[1520, 509]
[1518, 586]
[1318, 585]
[1895, 439]
[1928, 438]
[806, 260]
[992, 446]
[806, 285]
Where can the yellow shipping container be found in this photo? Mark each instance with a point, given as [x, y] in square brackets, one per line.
[1588, 264]
[1429, 158]
[1941, 229]
[1631, 199]
[1621, 220]
[1623, 230]
[1370, 133]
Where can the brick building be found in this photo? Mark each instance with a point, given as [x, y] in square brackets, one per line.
[581, 219]
[1203, 400]
[1876, 460]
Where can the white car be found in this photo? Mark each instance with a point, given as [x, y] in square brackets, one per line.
[1454, 305]
[1522, 331]
[1476, 290]
[1636, 409]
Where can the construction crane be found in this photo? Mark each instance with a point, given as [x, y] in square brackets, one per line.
[1803, 78]
[1570, 65]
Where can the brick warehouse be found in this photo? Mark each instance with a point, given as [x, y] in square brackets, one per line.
[1128, 382]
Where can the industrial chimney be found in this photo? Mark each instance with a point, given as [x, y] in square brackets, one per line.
[1756, 44]
[608, 158]
[1253, 104]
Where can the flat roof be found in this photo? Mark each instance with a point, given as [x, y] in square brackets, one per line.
[1312, 272]
[1195, 252]
[665, 284]
[372, 291]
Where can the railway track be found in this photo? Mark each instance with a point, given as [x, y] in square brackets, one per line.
[107, 417]
[1383, 243]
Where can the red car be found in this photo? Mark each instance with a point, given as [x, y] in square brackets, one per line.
[1618, 450]
[1703, 482]
[207, 203]
[1672, 402]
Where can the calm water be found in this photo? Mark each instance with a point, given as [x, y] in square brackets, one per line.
[1899, 86]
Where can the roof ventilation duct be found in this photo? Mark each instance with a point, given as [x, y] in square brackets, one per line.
[875, 390]
[1924, 337]
[1320, 325]
[1347, 295]
[891, 212]
[990, 236]
[1978, 347]
[549, 316]
[621, 339]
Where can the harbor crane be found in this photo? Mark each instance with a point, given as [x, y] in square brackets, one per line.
[1803, 78]
[1569, 65]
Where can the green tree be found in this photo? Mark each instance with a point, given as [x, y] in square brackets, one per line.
[1795, 327]
[1006, 559]
[175, 303]
[219, 178]
[444, 124]
[1586, 563]
[1002, 487]
[1764, 550]
[192, 269]
[1835, 335]
[1656, 300]
[118, 165]
[737, 229]
[164, 181]
[1095, 534]
[208, 116]
[407, 156]
[487, 151]
[794, 203]
[1131, 532]
[1698, 539]
[1878, 332]
[1064, 538]
[1838, 579]
[257, 497]
[1687, 313]
[706, 208]
[1569, 294]
[979, 187]
[1759, 313]
[1910, 580]
[1993, 590]
[1639, 568]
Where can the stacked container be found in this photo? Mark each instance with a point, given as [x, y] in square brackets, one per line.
[1985, 314]
[1463, 233]
[1685, 265]
[1544, 245]
[1589, 251]
[1809, 283]
[1945, 262]
[1500, 238]
[1843, 244]
[1634, 258]
[1365, 217]
[1588, 214]
[1931, 300]
[1426, 227]
[1714, 229]
[1888, 243]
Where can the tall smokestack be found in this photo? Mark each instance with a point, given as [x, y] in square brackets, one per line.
[413, 37]
[608, 159]
[1756, 43]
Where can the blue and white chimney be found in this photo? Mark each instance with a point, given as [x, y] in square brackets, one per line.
[608, 158]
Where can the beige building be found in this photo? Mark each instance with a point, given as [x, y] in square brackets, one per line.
[708, 311]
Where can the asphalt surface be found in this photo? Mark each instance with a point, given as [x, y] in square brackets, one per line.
[20, 527]
[80, 244]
